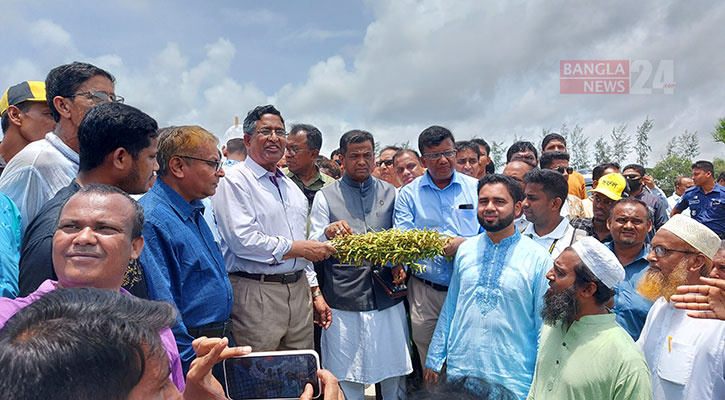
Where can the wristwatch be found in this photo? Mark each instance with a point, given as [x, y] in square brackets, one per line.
[316, 293]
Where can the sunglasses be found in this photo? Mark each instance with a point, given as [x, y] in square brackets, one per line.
[561, 170]
[387, 163]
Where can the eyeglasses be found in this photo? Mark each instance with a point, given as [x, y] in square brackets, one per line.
[632, 177]
[662, 251]
[464, 161]
[437, 155]
[387, 163]
[294, 151]
[99, 96]
[268, 132]
[561, 170]
[216, 164]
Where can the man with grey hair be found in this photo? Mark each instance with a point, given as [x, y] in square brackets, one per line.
[686, 356]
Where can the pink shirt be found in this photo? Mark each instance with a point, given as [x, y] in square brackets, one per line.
[8, 308]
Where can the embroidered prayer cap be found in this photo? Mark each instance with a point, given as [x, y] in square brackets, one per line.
[611, 185]
[600, 260]
[694, 233]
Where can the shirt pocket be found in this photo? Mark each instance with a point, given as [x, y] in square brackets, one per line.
[467, 221]
[675, 365]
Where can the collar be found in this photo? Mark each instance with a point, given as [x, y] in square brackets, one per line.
[641, 256]
[557, 233]
[182, 207]
[507, 241]
[353, 183]
[292, 175]
[258, 171]
[426, 180]
[595, 319]
[63, 148]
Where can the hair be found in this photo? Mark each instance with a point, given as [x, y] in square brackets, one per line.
[521, 146]
[548, 138]
[408, 151]
[640, 169]
[335, 152]
[106, 190]
[355, 136]
[721, 176]
[632, 200]
[481, 142]
[65, 80]
[392, 147]
[704, 165]
[598, 171]
[548, 158]
[468, 144]
[433, 136]
[464, 388]
[584, 276]
[513, 187]
[23, 106]
[109, 126]
[553, 184]
[490, 167]
[236, 145]
[254, 115]
[180, 141]
[81, 343]
[324, 163]
[722, 245]
[313, 138]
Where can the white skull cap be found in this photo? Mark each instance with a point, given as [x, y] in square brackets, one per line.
[600, 260]
[694, 233]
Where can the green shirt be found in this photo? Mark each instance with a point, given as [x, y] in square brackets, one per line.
[594, 359]
[317, 183]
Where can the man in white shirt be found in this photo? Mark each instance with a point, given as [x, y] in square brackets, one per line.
[686, 356]
[545, 193]
[682, 183]
[44, 167]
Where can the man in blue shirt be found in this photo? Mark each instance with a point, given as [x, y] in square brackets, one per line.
[706, 199]
[182, 263]
[444, 200]
[490, 322]
[629, 222]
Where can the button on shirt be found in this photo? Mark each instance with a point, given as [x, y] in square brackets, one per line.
[631, 307]
[37, 173]
[258, 220]
[555, 241]
[705, 208]
[451, 211]
[183, 264]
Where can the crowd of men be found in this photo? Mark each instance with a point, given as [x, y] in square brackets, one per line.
[544, 289]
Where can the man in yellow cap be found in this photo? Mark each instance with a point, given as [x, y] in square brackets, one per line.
[609, 189]
[25, 118]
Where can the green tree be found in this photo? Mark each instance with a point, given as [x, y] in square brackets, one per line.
[578, 148]
[498, 154]
[688, 146]
[620, 144]
[642, 147]
[602, 151]
[719, 133]
[669, 168]
[719, 165]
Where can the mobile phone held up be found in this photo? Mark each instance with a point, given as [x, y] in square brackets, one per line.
[272, 375]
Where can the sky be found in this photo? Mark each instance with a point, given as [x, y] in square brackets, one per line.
[484, 69]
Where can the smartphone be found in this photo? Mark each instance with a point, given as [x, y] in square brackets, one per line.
[272, 375]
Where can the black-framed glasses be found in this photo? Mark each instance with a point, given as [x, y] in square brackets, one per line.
[216, 164]
[437, 155]
[99, 96]
[662, 251]
[268, 132]
[561, 170]
[293, 151]
[632, 177]
[387, 163]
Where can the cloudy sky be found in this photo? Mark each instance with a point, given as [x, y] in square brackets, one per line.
[487, 69]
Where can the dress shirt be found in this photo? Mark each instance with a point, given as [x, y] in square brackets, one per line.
[258, 220]
[318, 182]
[9, 307]
[491, 319]
[10, 240]
[421, 204]
[593, 359]
[672, 202]
[183, 264]
[555, 241]
[37, 173]
[705, 208]
[631, 307]
[686, 356]
[587, 226]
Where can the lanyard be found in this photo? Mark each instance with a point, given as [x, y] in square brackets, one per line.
[553, 244]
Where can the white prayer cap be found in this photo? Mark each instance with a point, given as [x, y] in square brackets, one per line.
[235, 131]
[600, 260]
[694, 233]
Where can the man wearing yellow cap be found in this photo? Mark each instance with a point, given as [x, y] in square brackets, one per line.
[25, 118]
[609, 189]
[686, 356]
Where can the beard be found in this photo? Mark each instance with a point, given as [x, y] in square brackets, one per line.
[501, 223]
[131, 183]
[560, 306]
[655, 284]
